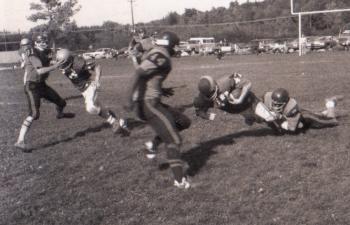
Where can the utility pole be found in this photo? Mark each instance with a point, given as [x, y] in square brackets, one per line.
[132, 14]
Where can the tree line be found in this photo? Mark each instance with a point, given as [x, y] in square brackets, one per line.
[235, 23]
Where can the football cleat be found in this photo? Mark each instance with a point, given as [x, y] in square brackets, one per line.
[121, 127]
[183, 185]
[331, 103]
[21, 145]
[150, 150]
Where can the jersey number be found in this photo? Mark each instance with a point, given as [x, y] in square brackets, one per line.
[73, 75]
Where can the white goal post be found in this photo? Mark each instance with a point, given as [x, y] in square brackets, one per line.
[309, 13]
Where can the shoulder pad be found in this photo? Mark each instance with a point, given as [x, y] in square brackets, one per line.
[267, 98]
[291, 108]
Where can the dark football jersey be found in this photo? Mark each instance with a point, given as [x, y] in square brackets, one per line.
[291, 111]
[230, 85]
[79, 74]
[156, 65]
[45, 59]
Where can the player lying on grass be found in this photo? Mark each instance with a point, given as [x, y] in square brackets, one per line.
[145, 97]
[37, 67]
[79, 72]
[232, 94]
[290, 118]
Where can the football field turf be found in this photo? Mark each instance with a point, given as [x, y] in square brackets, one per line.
[79, 172]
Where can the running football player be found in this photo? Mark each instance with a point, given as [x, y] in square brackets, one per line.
[37, 67]
[290, 118]
[145, 97]
[79, 72]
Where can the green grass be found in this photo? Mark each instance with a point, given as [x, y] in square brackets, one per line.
[80, 173]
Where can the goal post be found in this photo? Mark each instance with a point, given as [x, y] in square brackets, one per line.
[301, 13]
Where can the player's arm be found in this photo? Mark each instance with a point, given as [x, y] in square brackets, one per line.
[245, 86]
[291, 119]
[38, 65]
[98, 73]
[201, 108]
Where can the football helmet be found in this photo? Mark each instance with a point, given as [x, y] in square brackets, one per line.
[168, 39]
[41, 42]
[66, 57]
[25, 42]
[207, 87]
[280, 98]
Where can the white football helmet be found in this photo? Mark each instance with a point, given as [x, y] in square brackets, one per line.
[66, 57]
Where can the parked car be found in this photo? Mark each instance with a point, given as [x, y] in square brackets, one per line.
[324, 42]
[100, 53]
[277, 46]
[292, 45]
[262, 45]
[201, 44]
[344, 42]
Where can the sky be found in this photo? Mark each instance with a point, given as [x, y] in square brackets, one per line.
[14, 13]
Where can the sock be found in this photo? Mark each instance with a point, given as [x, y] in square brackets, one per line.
[178, 173]
[108, 115]
[25, 128]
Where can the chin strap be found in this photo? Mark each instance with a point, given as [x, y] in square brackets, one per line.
[215, 94]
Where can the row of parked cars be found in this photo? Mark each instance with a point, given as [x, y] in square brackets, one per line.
[101, 53]
[313, 43]
[208, 45]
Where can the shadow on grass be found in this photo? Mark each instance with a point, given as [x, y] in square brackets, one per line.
[74, 136]
[182, 108]
[198, 156]
[135, 123]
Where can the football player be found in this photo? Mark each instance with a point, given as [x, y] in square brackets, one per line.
[37, 67]
[145, 97]
[24, 51]
[139, 45]
[290, 118]
[230, 93]
[79, 72]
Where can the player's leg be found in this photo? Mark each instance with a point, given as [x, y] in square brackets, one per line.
[93, 107]
[51, 95]
[33, 99]
[317, 121]
[163, 123]
[182, 122]
[331, 104]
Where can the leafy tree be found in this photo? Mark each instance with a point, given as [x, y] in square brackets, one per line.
[56, 15]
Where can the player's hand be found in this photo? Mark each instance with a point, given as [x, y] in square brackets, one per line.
[96, 84]
[57, 64]
[277, 115]
[167, 92]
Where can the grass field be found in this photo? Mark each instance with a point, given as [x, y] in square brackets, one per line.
[80, 173]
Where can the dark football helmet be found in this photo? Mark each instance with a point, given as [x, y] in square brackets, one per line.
[207, 87]
[41, 42]
[168, 39]
[66, 57]
[280, 98]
